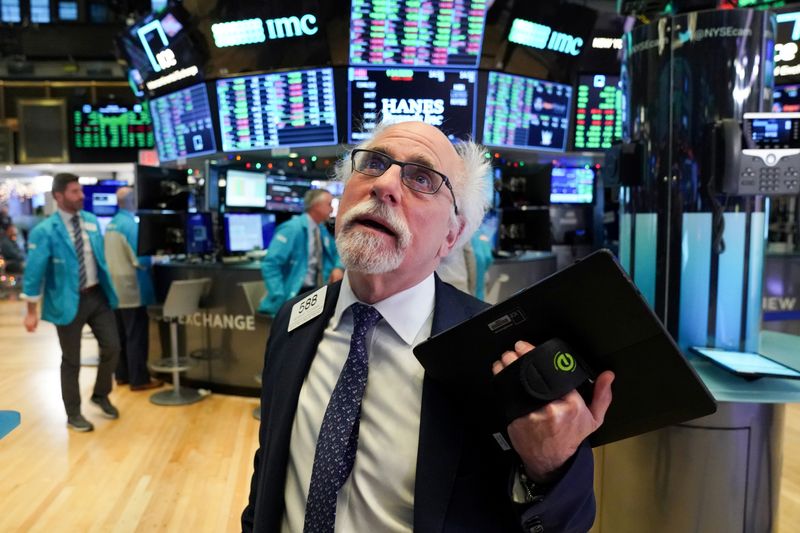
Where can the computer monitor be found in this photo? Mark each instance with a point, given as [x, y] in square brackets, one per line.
[248, 231]
[182, 124]
[245, 189]
[598, 112]
[100, 199]
[440, 34]
[285, 193]
[442, 98]
[525, 186]
[161, 234]
[159, 188]
[281, 109]
[109, 132]
[786, 99]
[571, 185]
[525, 229]
[199, 233]
[526, 113]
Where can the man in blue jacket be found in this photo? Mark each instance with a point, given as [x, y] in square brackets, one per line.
[131, 277]
[302, 255]
[67, 262]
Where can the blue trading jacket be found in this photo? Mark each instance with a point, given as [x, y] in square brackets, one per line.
[125, 223]
[53, 264]
[286, 262]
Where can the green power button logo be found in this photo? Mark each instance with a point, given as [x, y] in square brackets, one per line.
[564, 362]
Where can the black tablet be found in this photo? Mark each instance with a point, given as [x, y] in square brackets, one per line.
[749, 365]
[595, 308]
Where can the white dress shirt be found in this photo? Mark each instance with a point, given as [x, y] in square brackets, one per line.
[379, 494]
[88, 254]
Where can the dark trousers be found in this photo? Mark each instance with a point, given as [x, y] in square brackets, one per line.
[134, 337]
[94, 310]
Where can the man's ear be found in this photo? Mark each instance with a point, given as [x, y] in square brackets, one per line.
[451, 238]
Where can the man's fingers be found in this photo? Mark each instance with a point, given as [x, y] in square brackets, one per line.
[523, 347]
[601, 397]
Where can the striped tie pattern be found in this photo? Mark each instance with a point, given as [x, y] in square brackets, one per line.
[338, 436]
[76, 231]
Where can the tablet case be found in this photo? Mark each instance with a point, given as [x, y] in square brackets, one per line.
[596, 308]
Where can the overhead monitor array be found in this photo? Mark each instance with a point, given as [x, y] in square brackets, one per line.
[598, 112]
[411, 33]
[109, 132]
[182, 124]
[281, 109]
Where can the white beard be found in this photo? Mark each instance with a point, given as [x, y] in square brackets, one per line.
[364, 251]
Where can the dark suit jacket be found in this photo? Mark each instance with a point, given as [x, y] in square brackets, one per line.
[462, 477]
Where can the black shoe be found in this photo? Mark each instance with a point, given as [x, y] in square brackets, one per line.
[109, 411]
[78, 423]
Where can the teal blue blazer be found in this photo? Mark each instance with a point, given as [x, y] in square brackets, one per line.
[286, 262]
[124, 222]
[53, 265]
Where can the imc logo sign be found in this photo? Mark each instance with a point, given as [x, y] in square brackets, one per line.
[543, 37]
[253, 31]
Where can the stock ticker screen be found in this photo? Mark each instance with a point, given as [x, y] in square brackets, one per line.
[434, 33]
[109, 132]
[598, 112]
[526, 113]
[182, 124]
[786, 99]
[442, 98]
[284, 109]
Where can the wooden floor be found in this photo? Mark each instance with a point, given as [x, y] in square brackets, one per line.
[156, 468]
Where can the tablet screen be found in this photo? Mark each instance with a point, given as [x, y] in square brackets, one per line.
[747, 362]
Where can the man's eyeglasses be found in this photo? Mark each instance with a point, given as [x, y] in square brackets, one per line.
[414, 176]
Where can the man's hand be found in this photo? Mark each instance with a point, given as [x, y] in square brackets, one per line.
[31, 321]
[336, 275]
[545, 439]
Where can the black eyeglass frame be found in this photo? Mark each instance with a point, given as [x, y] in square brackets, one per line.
[403, 164]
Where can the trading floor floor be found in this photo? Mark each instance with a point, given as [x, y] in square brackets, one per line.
[156, 468]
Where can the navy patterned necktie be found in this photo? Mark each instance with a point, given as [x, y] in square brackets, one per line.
[76, 231]
[338, 435]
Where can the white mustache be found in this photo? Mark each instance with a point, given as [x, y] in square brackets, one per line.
[380, 210]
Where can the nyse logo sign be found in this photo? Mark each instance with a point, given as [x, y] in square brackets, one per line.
[543, 37]
[253, 31]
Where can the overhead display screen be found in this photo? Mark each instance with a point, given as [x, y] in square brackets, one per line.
[526, 113]
[109, 132]
[598, 112]
[182, 124]
[161, 53]
[786, 99]
[284, 109]
[442, 98]
[432, 33]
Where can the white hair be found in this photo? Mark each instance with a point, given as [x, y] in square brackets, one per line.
[470, 187]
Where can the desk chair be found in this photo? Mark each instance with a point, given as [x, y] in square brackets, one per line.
[183, 298]
[254, 292]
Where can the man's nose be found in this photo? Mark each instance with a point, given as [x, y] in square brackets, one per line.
[387, 187]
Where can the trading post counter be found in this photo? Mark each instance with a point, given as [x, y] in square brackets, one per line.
[224, 338]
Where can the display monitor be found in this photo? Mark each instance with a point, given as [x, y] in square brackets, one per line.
[161, 234]
[571, 185]
[285, 193]
[100, 199]
[248, 231]
[182, 124]
[442, 98]
[524, 186]
[160, 188]
[199, 233]
[281, 109]
[524, 229]
[786, 99]
[245, 189]
[437, 33]
[526, 113]
[598, 112]
[109, 132]
[161, 52]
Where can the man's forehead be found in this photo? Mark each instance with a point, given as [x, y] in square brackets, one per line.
[430, 146]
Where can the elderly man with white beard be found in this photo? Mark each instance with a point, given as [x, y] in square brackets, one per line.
[354, 436]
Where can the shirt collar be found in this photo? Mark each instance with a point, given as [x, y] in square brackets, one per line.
[66, 217]
[405, 312]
